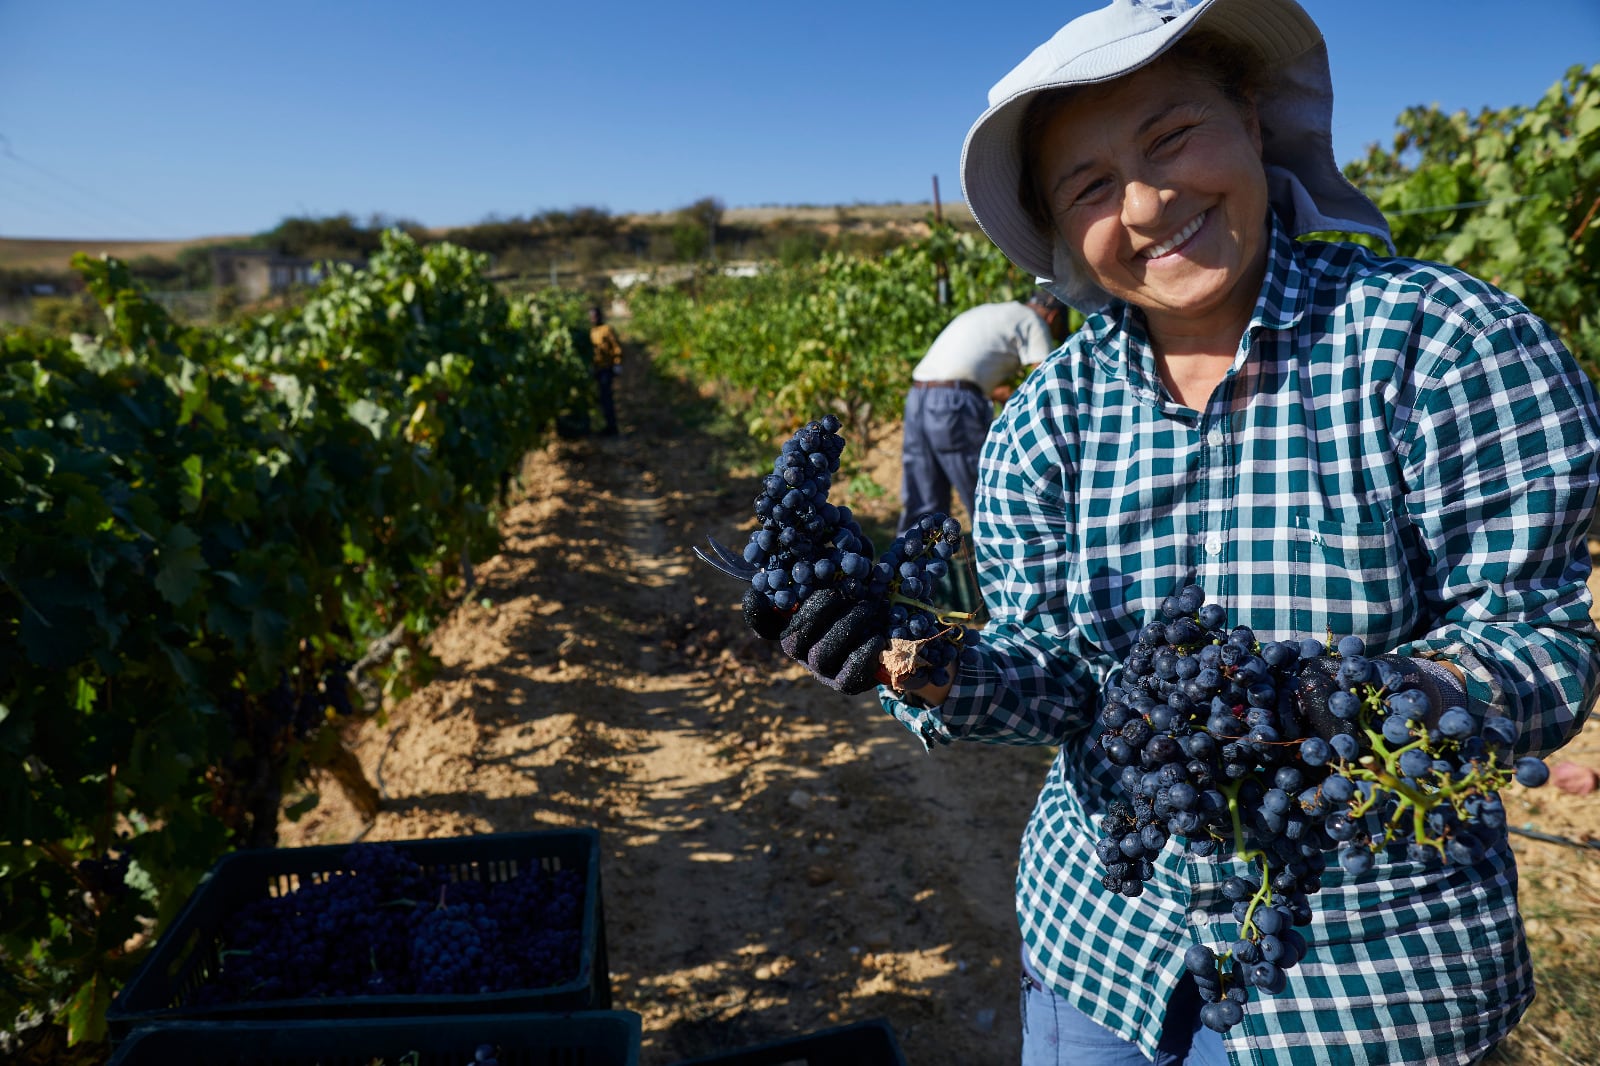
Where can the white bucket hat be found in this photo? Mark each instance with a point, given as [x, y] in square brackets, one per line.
[1295, 107]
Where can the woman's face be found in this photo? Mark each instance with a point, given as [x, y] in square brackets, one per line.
[1155, 183]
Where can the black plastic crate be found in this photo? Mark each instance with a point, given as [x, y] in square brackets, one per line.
[591, 1038]
[187, 956]
[869, 1043]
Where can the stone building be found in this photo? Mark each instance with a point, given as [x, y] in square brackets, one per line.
[257, 273]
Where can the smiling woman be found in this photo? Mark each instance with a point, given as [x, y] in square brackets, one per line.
[1323, 439]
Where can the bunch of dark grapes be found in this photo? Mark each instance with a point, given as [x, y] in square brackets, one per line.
[320, 693]
[294, 708]
[539, 910]
[451, 946]
[380, 924]
[310, 711]
[917, 562]
[107, 875]
[311, 942]
[1225, 743]
[804, 544]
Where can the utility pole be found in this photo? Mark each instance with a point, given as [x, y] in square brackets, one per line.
[941, 269]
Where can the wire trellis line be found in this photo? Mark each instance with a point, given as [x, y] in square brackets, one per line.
[1464, 205]
[1551, 838]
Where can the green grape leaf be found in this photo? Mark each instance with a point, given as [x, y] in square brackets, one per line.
[181, 565]
[86, 1012]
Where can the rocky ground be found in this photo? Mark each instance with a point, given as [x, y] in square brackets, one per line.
[776, 858]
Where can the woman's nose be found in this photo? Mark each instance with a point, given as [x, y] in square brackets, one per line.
[1142, 203]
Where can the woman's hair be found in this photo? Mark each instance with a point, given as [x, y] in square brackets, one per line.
[1234, 67]
[1045, 300]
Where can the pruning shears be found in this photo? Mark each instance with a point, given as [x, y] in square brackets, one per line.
[726, 561]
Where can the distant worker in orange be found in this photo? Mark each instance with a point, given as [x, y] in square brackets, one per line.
[607, 365]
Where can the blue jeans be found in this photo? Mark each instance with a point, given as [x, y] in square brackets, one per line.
[1056, 1034]
[944, 432]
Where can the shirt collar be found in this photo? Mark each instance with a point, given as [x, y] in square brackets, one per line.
[1285, 289]
[1125, 345]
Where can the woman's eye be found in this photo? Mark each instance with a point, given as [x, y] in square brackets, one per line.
[1090, 192]
[1172, 138]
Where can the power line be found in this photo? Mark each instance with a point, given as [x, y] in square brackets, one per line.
[7, 152]
[59, 204]
[13, 198]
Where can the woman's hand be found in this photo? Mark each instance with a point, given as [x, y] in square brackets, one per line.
[932, 695]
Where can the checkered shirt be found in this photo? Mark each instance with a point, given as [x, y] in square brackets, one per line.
[1400, 452]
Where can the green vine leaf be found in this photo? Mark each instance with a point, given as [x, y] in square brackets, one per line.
[182, 565]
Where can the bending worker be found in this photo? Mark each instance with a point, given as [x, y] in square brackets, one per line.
[970, 366]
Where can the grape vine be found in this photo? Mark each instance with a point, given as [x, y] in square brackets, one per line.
[841, 334]
[202, 529]
[1511, 195]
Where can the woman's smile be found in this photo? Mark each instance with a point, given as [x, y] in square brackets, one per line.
[1176, 241]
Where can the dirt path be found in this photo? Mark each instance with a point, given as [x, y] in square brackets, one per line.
[776, 858]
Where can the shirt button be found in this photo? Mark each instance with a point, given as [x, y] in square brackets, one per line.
[1214, 546]
[1214, 438]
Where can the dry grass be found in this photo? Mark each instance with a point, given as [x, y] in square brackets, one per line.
[864, 214]
[19, 253]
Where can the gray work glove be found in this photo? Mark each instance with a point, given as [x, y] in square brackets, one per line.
[837, 639]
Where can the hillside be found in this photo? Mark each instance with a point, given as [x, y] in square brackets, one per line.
[30, 253]
[26, 253]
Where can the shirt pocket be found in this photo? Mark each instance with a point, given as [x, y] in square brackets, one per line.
[1349, 576]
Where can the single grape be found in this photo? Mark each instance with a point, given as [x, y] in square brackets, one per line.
[1531, 772]
[1356, 860]
[1396, 730]
[1500, 730]
[1344, 704]
[1351, 646]
[1338, 789]
[1410, 704]
[1415, 763]
[1345, 746]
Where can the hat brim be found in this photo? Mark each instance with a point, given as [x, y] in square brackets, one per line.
[1296, 115]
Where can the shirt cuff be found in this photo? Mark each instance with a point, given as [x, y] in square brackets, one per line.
[968, 690]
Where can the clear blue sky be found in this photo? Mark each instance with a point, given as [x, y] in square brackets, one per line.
[184, 118]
